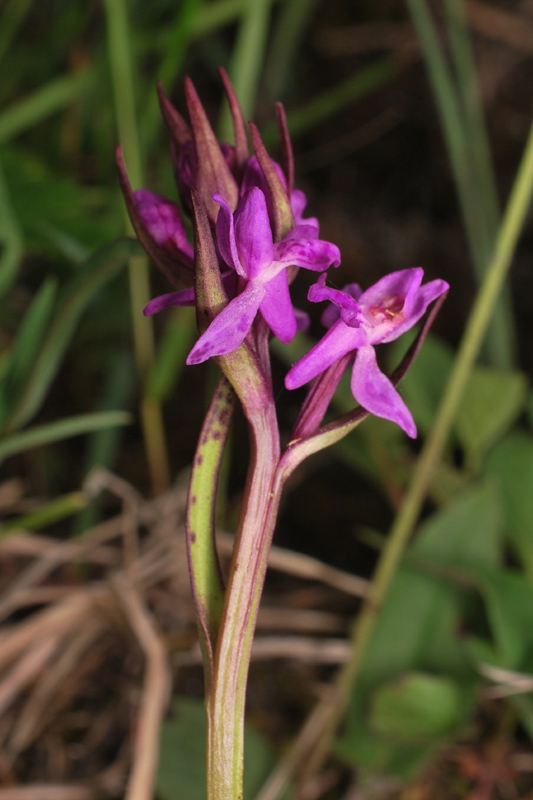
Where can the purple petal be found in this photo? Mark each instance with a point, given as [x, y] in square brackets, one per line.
[335, 344]
[227, 245]
[162, 220]
[253, 233]
[303, 231]
[298, 204]
[375, 393]
[316, 254]
[229, 328]
[253, 176]
[277, 309]
[183, 298]
[302, 320]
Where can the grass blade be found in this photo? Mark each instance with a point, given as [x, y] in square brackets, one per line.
[47, 514]
[30, 335]
[172, 352]
[63, 429]
[99, 269]
[41, 104]
[324, 105]
[245, 67]
[122, 73]
[10, 237]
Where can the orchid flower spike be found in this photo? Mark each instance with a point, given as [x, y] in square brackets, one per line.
[245, 243]
[360, 321]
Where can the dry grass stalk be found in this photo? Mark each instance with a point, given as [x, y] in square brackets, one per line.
[49, 791]
[155, 693]
[51, 654]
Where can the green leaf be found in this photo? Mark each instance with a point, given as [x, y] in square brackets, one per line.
[509, 601]
[417, 630]
[206, 576]
[181, 772]
[467, 534]
[24, 352]
[63, 429]
[98, 270]
[511, 464]
[415, 707]
[492, 401]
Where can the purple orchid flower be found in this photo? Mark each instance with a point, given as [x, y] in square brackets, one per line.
[245, 243]
[362, 320]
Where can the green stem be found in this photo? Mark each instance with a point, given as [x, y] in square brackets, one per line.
[406, 520]
[245, 68]
[226, 695]
[143, 336]
[462, 125]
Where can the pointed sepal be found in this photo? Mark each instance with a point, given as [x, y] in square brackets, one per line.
[283, 220]
[177, 127]
[212, 171]
[241, 150]
[287, 158]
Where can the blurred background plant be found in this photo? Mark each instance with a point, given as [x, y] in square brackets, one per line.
[409, 121]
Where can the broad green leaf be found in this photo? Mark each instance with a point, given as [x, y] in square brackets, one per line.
[26, 347]
[63, 429]
[416, 707]
[417, 630]
[418, 627]
[181, 772]
[98, 270]
[466, 534]
[509, 601]
[492, 401]
[510, 462]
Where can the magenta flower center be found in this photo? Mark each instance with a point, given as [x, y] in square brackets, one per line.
[387, 310]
